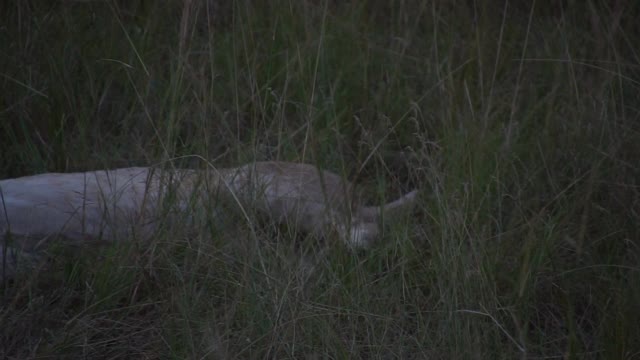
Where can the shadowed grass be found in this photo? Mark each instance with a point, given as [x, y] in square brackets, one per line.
[518, 123]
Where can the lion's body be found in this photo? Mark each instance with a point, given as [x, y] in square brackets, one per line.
[109, 205]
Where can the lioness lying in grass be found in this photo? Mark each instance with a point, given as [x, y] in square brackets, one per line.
[108, 205]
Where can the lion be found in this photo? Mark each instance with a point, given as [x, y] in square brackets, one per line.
[120, 204]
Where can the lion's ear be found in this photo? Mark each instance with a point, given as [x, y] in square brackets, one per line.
[391, 211]
[401, 207]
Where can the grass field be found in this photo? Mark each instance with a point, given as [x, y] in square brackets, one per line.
[519, 122]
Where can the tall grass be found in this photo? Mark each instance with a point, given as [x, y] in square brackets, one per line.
[519, 124]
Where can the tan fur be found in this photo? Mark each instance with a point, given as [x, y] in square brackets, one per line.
[109, 205]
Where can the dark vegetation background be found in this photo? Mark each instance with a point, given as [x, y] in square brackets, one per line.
[518, 120]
